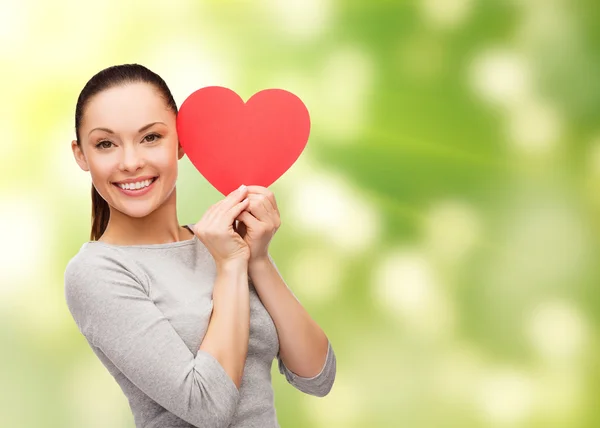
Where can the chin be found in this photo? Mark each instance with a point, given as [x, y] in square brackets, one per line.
[135, 208]
[135, 212]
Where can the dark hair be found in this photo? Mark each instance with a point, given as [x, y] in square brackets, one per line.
[106, 79]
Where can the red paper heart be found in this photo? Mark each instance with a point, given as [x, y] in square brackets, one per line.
[232, 143]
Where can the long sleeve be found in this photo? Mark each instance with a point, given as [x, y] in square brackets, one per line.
[112, 308]
[319, 385]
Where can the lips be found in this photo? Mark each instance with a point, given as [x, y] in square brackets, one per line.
[137, 192]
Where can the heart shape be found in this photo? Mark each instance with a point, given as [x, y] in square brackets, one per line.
[233, 143]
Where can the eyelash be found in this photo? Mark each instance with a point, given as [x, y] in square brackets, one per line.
[154, 134]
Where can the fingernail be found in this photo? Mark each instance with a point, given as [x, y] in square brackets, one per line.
[242, 188]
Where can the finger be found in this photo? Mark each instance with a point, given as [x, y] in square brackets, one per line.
[264, 191]
[264, 199]
[268, 206]
[260, 190]
[273, 217]
[249, 220]
[257, 208]
[233, 199]
[230, 215]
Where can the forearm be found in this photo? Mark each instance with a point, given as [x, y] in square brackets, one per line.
[226, 338]
[302, 343]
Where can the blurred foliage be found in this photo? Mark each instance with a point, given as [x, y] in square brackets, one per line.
[441, 226]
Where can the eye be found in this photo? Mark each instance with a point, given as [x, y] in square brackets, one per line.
[101, 145]
[150, 138]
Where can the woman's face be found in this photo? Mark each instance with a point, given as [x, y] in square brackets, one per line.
[128, 132]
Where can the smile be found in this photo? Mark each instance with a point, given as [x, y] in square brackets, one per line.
[136, 189]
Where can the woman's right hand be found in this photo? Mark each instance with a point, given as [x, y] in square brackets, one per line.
[215, 229]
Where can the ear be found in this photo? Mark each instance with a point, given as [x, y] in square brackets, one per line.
[79, 156]
[180, 152]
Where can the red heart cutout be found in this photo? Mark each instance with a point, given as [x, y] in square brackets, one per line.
[233, 143]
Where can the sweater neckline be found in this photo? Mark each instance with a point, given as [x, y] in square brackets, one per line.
[183, 243]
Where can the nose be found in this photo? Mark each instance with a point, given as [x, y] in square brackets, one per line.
[131, 159]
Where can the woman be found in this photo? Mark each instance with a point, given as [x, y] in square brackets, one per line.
[188, 319]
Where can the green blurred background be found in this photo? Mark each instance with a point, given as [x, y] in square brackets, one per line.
[441, 225]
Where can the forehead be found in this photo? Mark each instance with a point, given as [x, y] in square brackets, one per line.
[127, 106]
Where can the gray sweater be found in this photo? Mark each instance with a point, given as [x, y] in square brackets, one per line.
[144, 310]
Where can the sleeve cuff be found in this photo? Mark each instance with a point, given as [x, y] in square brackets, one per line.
[318, 385]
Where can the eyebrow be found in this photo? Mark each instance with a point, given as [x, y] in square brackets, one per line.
[143, 128]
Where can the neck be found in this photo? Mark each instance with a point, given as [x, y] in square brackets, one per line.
[159, 227]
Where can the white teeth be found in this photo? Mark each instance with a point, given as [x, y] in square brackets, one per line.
[135, 186]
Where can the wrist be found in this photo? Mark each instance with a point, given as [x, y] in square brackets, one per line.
[258, 263]
[232, 267]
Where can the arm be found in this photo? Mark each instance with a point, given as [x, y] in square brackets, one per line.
[113, 310]
[305, 357]
[227, 335]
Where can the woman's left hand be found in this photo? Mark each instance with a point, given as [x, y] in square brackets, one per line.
[259, 222]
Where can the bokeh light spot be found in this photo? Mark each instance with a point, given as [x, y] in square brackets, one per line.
[557, 331]
[324, 204]
[452, 228]
[406, 285]
[501, 77]
[506, 397]
[447, 13]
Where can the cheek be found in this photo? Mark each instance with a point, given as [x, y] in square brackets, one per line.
[165, 158]
[101, 168]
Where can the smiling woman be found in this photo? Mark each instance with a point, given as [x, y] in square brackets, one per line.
[140, 143]
[188, 319]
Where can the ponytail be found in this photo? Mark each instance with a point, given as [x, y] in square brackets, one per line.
[100, 215]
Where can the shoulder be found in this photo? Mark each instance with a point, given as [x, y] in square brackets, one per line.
[96, 268]
[95, 279]
[94, 259]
